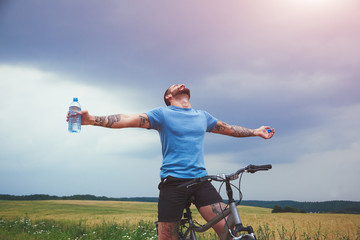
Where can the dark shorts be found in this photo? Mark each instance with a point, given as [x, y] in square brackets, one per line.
[172, 201]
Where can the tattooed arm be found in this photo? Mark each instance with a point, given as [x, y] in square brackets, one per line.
[238, 131]
[116, 121]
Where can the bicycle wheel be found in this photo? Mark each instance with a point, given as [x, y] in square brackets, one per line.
[187, 236]
[184, 232]
[246, 237]
[230, 224]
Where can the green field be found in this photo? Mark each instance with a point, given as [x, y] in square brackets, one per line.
[72, 219]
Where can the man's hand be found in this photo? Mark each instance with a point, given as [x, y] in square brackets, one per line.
[85, 117]
[264, 133]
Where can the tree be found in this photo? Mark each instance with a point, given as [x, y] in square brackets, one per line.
[277, 209]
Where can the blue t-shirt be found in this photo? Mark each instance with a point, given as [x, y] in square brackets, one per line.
[182, 132]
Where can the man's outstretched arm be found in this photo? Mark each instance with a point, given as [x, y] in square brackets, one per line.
[238, 131]
[115, 121]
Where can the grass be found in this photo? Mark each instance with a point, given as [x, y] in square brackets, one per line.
[70, 219]
[92, 212]
[26, 229]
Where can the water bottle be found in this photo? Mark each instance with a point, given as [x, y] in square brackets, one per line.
[74, 117]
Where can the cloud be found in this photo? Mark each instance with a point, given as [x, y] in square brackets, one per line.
[293, 66]
[36, 144]
[248, 85]
[318, 176]
[127, 141]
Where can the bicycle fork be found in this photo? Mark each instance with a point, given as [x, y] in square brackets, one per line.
[239, 227]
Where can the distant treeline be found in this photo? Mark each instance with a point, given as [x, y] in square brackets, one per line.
[74, 197]
[286, 209]
[351, 207]
[310, 207]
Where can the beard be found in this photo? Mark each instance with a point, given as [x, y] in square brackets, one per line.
[182, 91]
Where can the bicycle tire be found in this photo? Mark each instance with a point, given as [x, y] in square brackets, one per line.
[185, 233]
[248, 238]
[230, 224]
[187, 237]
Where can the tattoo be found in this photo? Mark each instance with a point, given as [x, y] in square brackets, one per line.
[144, 121]
[99, 121]
[237, 131]
[113, 119]
[233, 130]
[217, 208]
[220, 127]
[169, 230]
[107, 121]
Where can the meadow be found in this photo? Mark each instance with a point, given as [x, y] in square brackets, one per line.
[79, 219]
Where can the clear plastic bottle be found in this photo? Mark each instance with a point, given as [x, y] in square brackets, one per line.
[74, 117]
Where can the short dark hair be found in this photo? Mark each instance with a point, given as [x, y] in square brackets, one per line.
[167, 102]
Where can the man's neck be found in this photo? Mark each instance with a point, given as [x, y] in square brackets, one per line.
[181, 101]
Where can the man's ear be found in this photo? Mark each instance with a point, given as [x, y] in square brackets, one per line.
[168, 97]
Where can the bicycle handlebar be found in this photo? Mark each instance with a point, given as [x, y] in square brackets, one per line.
[221, 178]
[255, 168]
[249, 169]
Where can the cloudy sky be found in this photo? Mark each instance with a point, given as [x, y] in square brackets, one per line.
[289, 64]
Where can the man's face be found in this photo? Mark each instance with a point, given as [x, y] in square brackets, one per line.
[177, 89]
[174, 91]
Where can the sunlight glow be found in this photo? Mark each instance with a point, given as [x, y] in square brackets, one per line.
[318, 3]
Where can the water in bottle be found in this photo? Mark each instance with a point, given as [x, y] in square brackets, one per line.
[74, 117]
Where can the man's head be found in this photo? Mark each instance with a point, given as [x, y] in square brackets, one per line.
[175, 91]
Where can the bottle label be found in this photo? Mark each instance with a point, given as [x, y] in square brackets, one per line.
[74, 110]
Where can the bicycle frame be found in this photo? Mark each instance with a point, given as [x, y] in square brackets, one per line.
[231, 215]
[233, 222]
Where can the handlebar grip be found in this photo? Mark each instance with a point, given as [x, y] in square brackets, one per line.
[267, 166]
[255, 168]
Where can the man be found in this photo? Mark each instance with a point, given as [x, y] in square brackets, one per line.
[182, 130]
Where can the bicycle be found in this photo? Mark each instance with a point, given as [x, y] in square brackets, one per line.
[233, 228]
